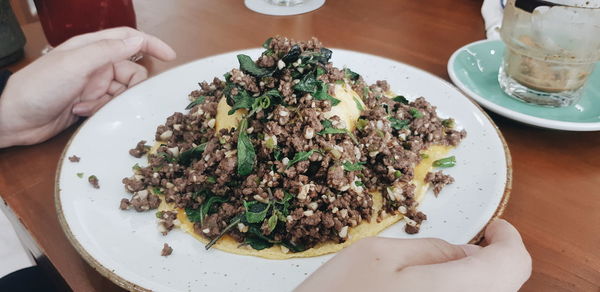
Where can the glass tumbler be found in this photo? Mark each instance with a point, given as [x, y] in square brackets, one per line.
[63, 19]
[551, 49]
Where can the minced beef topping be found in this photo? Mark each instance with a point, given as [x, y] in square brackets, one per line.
[289, 173]
[74, 158]
[439, 180]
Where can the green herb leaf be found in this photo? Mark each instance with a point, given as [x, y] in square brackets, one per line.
[361, 124]
[322, 94]
[234, 221]
[358, 104]
[186, 157]
[80, 174]
[292, 55]
[398, 124]
[448, 123]
[157, 191]
[415, 113]
[167, 157]
[400, 99]
[242, 100]
[246, 156]
[267, 43]
[329, 129]
[194, 215]
[277, 154]
[247, 65]
[320, 71]
[359, 183]
[351, 74]
[272, 222]
[294, 247]
[445, 162]
[357, 166]
[136, 167]
[159, 214]
[283, 206]
[196, 102]
[300, 156]
[256, 212]
[257, 243]
[308, 83]
[211, 180]
[366, 91]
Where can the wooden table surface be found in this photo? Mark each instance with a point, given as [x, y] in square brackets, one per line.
[555, 200]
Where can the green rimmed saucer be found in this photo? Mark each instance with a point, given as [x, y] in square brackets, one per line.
[474, 69]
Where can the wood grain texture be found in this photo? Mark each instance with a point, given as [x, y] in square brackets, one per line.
[555, 201]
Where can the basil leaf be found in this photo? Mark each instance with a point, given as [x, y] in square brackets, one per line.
[307, 84]
[358, 104]
[283, 206]
[314, 57]
[267, 43]
[208, 203]
[398, 124]
[349, 166]
[246, 156]
[194, 215]
[361, 124]
[448, 123]
[366, 91]
[415, 113]
[272, 222]
[329, 129]
[351, 74]
[237, 219]
[400, 99]
[242, 100]
[445, 162]
[294, 247]
[300, 156]
[257, 243]
[277, 154]
[196, 102]
[186, 157]
[320, 71]
[167, 157]
[292, 55]
[256, 212]
[322, 94]
[247, 65]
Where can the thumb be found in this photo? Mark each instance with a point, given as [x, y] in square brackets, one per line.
[97, 54]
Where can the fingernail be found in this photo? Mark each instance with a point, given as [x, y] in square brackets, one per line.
[470, 249]
[133, 41]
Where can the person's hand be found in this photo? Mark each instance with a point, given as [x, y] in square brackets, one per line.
[385, 264]
[75, 79]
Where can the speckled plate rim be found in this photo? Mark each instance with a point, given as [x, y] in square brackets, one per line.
[128, 285]
[507, 112]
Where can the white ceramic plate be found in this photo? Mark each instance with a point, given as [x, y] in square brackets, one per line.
[125, 246]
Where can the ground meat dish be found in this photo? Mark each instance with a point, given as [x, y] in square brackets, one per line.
[288, 174]
[439, 180]
[166, 251]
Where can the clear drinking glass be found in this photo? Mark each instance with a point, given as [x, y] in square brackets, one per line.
[551, 48]
[286, 2]
[63, 19]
